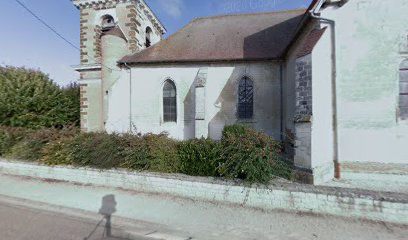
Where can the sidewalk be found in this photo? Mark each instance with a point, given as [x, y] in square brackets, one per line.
[180, 218]
[373, 176]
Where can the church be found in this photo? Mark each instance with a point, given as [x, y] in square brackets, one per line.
[329, 81]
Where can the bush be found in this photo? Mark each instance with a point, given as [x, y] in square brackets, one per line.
[26, 144]
[199, 157]
[136, 153]
[97, 150]
[28, 98]
[10, 137]
[242, 153]
[163, 155]
[156, 153]
[251, 156]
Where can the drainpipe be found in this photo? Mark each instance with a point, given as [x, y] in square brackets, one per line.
[130, 97]
[281, 102]
[314, 14]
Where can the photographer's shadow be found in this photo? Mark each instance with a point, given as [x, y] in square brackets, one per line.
[107, 209]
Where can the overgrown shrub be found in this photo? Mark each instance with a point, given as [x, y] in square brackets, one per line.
[163, 155]
[199, 157]
[26, 144]
[135, 153]
[250, 155]
[28, 98]
[242, 153]
[97, 150]
[9, 137]
[151, 152]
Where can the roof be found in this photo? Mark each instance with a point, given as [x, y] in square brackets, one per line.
[259, 36]
[310, 42]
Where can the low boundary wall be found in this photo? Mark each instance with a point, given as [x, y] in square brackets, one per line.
[371, 205]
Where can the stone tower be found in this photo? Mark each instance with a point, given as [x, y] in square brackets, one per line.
[110, 30]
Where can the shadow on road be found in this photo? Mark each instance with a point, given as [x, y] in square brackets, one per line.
[107, 209]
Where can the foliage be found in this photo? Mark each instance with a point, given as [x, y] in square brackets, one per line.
[199, 157]
[163, 155]
[151, 152]
[27, 144]
[28, 98]
[9, 137]
[250, 155]
[242, 153]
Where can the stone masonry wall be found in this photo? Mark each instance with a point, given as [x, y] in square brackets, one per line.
[84, 29]
[84, 106]
[303, 88]
[303, 113]
[132, 25]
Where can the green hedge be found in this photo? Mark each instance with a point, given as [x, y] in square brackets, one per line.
[29, 98]
[242, 153]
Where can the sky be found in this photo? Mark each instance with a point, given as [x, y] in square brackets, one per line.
[24, 41]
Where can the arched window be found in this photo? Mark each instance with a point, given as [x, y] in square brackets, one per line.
[403, 90]
[107, 22]
[169, 102]
[245, 98]
[148, 37]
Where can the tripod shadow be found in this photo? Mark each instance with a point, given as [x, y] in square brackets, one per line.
[107, 209]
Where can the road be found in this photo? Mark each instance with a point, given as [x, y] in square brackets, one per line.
[160, 216]
[21, 223]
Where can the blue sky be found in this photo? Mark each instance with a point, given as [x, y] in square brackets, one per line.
[25, 42]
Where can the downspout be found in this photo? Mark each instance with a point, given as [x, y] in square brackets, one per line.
[314, 14]
[130, 97]
[281, 102]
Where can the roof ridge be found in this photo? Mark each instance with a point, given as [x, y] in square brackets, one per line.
[253, 14]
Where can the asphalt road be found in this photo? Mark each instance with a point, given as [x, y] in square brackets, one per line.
[24, 223]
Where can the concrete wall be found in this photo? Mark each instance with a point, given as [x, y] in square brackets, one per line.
[386, 207]
[369, 34]
[221, 96]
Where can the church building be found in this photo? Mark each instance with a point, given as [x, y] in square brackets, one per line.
[329, 81]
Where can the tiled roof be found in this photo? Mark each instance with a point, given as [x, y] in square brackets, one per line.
[260, 36]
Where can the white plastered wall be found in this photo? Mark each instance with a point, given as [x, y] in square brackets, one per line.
[322, 122]
[369, 34]
[220, 99]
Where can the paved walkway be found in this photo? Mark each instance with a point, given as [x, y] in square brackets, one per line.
[178, 218]
[373, 176]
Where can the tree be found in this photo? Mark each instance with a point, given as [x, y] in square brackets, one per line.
[28, 98]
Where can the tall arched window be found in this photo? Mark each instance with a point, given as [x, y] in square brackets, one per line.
[148, 37]
[245, 98]
[169, 102]
[403, 90]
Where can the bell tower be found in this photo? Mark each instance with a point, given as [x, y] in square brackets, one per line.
[109, 30]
